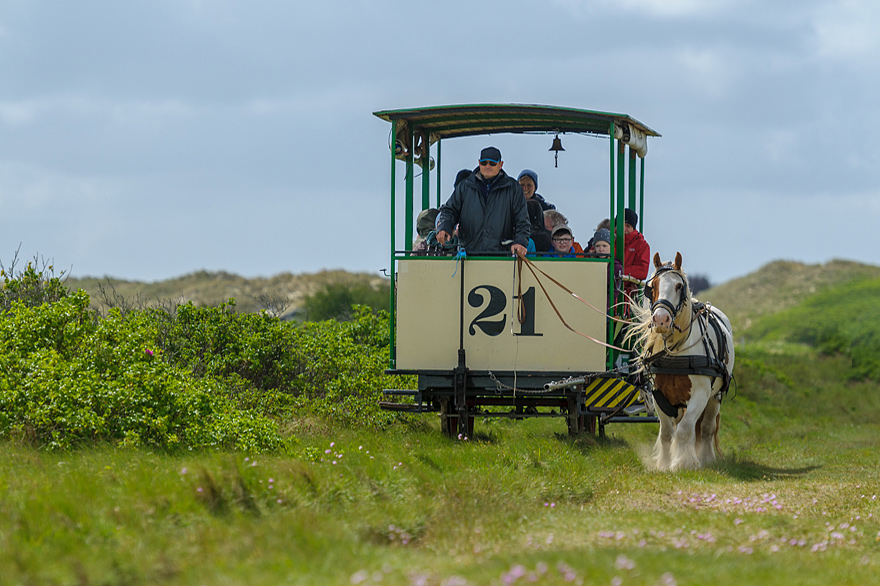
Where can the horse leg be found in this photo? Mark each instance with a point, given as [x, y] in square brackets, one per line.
[662, 447]
[684, 453]
[707, 432]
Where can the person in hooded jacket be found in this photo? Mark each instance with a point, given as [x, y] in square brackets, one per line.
[528, 180]
[539, 235]
[489, 209]
[424, 226]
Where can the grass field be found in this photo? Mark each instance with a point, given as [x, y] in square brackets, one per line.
[794, 501]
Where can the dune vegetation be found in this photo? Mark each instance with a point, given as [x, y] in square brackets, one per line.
[201, 444]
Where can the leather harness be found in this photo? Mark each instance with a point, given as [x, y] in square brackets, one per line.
[711, 364]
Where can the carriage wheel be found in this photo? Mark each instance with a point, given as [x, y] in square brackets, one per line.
[584, 424]
[575, 421]
[449, 420]
[590, 424]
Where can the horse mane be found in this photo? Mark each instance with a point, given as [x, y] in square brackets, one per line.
[645, 340]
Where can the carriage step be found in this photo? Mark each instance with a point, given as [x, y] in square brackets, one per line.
[401, 407]
[625, 419]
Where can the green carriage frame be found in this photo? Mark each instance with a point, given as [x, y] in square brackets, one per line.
[584, 390]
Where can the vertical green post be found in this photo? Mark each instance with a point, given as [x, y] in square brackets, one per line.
[642, 197]
[632, 182]
[611, 213]
[438, 173]
[609, 327]
[392, 354]
[621, 195]
[426, 173]
[408, 220]
[616, 241]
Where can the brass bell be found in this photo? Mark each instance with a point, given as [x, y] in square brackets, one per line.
[557, 146]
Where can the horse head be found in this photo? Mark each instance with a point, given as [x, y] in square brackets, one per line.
[668, 291]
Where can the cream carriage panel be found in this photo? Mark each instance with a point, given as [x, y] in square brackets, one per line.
[428, 317]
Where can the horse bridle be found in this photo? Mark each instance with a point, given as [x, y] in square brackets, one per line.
[665, 303]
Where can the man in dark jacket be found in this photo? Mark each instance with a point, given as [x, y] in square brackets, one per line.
[489, 209]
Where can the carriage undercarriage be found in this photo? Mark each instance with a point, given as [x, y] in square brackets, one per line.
[587, 404]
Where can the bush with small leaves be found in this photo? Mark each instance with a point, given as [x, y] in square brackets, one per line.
[31, 286]
[200, 377]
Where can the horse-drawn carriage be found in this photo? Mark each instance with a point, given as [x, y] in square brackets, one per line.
[497, 336]
[517, 337]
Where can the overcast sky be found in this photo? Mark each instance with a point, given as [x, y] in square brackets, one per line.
[147, 140]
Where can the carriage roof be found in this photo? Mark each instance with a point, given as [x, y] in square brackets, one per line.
[441, 122]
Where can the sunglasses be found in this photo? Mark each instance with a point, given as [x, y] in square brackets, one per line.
[489, 162]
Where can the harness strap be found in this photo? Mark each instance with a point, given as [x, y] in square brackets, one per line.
[661, 363]
[673, 310]
[716, 324]
[706, 365]
[664, 405]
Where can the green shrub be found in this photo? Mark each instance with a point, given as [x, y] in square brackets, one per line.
[197, 377]
[67, 378]
[330, 368]
[32, 287]
[335, 301]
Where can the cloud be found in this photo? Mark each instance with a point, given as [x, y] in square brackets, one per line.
[708, 71]
[651, 8]
[17, 113]
[197, 134]
[126, 111]
[27, 190]
[847, 30]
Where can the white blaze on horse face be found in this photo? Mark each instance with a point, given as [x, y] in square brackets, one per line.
[667, 285]
[662, 320]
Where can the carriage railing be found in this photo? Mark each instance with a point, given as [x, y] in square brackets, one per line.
[451, 253]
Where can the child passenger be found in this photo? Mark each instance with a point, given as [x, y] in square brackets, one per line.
[601, 241]
[602, 246]
[563, 242]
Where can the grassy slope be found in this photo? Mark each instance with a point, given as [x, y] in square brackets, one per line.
[779, 285]
[795, 500]
[213, 288]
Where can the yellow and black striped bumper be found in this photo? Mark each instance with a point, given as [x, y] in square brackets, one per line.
[602, 394]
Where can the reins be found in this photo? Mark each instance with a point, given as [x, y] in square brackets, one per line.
[520, 260]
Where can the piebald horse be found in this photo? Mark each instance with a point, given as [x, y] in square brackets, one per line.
[687, 347]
